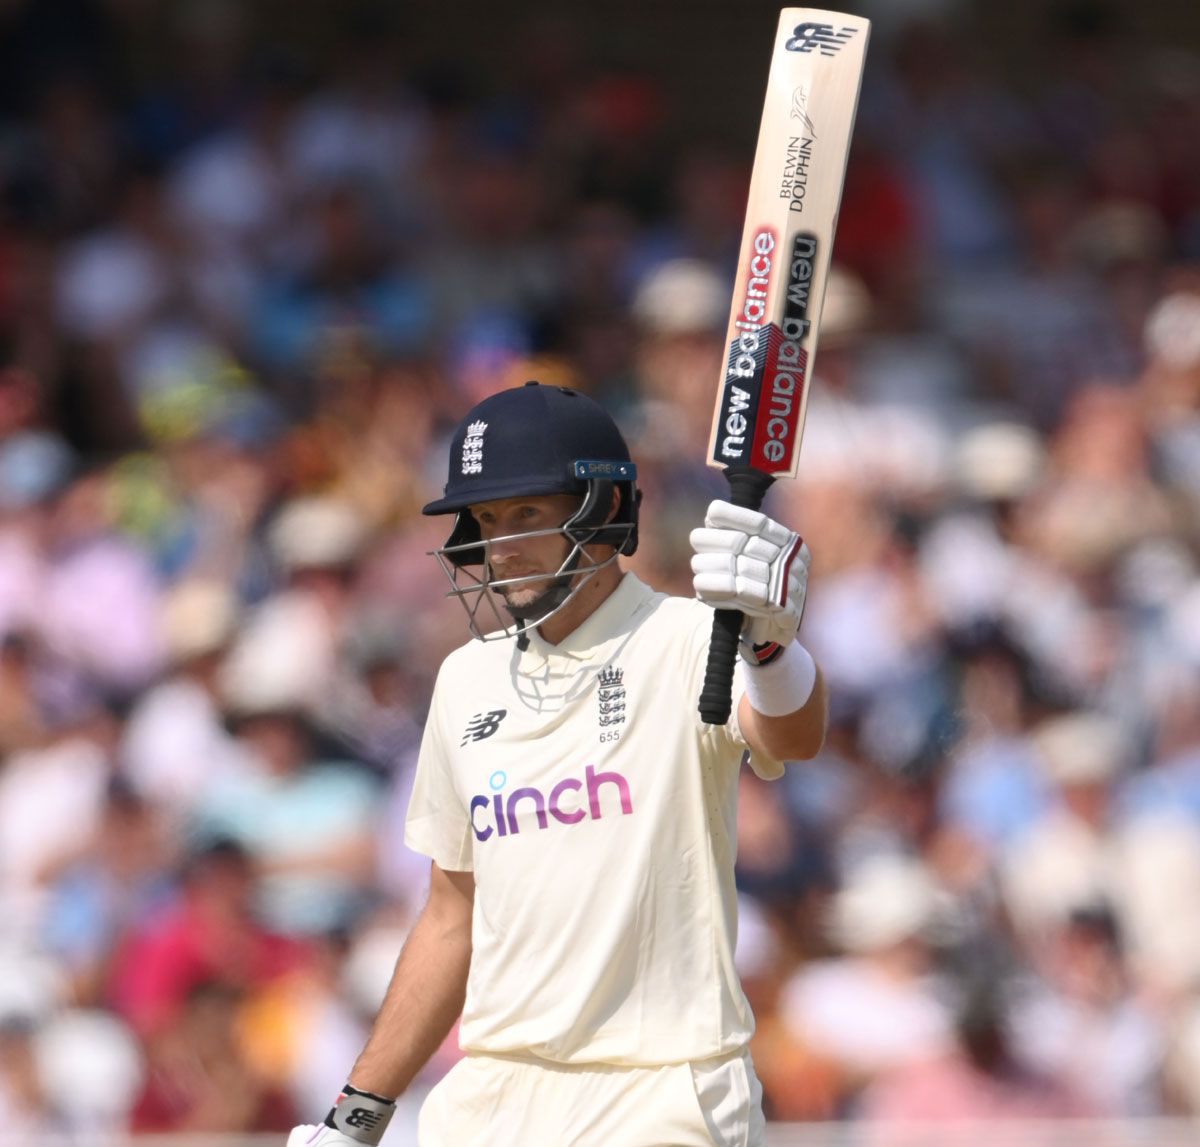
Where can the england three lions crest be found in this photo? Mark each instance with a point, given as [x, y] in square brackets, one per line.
[610, 696]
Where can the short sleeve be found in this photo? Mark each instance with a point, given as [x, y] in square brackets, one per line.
[438, 824]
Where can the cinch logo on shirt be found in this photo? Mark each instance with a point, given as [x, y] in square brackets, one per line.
[566, 802]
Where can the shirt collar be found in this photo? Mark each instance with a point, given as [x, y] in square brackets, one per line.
[609, 620]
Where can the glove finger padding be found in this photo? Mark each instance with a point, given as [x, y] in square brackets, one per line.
[722, 577]
[750, 523]
[746, 561]
[762, 549]
[710, 541]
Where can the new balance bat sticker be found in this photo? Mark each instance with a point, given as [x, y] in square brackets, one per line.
[791, 216]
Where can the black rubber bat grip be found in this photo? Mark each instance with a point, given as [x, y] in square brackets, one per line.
[747, 488]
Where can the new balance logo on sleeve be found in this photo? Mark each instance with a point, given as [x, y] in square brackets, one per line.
[482, 725]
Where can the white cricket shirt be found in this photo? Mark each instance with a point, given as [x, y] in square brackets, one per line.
[598, 814]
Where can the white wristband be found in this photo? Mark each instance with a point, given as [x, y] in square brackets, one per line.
[783, 685]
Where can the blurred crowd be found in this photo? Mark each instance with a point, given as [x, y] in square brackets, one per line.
[245, 291]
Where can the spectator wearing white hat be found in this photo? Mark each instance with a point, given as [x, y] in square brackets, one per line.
[980, 1080]
[1063, 858]
[52, 797]
[175, 743]
[308, 821]
[878, 1005]
[1083, 1020]
[679, 308]
[1170, 388]
[99, 598]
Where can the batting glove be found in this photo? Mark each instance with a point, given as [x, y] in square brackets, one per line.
[357, 1118]
[746, 561]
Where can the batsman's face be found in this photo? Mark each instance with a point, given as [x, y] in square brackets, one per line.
[524, 541]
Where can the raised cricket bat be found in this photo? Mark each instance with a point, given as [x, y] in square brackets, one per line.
[791, 216]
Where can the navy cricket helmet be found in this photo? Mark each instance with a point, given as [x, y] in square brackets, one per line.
[534, 440]
[528, 442]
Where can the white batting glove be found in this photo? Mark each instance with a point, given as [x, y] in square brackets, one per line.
[746, 561]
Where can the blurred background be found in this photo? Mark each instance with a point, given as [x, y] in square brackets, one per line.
[257, 258]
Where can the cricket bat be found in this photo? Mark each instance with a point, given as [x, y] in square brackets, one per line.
[791, 216]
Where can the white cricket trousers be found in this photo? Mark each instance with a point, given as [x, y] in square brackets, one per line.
[522, 1101]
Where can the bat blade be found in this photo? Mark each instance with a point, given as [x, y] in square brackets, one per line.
[791, 216]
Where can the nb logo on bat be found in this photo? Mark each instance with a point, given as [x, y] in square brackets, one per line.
[482, 725]
[810, 35]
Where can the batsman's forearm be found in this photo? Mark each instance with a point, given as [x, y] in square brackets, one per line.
[796, 736]
[423, 1000]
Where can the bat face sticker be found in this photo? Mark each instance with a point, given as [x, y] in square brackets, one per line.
[800, 112]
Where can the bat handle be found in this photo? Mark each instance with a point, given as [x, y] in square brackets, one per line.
[747, 488]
